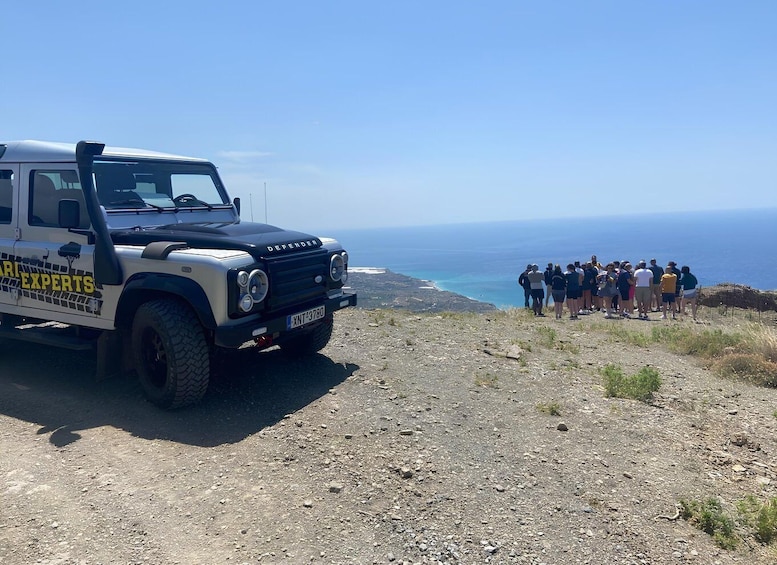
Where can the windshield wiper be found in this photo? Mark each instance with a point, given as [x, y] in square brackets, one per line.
[120, 203]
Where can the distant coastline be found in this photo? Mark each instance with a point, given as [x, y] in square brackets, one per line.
[381, 288]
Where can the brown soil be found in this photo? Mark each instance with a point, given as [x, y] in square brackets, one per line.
[729, 296]
[414, 438]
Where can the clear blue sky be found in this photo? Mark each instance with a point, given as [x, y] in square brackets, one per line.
[360, 114]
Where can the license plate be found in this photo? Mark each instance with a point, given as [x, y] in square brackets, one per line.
[302, 318]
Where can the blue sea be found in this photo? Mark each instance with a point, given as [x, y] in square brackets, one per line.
[483, 260]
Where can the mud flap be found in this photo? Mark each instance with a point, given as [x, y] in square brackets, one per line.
[114, 355]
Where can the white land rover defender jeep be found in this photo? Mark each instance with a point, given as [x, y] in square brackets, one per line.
[142, 256]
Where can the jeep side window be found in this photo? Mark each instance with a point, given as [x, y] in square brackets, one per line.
[6, 196]
[47, 188]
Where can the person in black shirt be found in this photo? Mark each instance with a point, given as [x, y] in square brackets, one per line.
[656, 300]
[548, 276]
[523, 280]
[558, 287]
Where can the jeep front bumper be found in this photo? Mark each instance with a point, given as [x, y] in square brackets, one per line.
[237, 335]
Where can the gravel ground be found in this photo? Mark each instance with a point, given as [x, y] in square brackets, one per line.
[413, 438]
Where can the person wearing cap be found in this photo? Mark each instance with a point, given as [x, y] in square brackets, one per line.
[536, 278]
[524, 282]
[668, 288]
[678, 288]
[657, 272]
[643, 289]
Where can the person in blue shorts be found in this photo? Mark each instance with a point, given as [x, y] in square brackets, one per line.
[668, 289]
[573, 290]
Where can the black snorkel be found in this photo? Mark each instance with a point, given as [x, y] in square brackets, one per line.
[107, 269]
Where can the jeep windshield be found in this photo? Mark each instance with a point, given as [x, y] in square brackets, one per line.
[158, 186]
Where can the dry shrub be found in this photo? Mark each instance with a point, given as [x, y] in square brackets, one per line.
[752, 367]
[763, 341]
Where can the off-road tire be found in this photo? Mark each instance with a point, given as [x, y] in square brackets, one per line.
[310, 342]
[170, 353]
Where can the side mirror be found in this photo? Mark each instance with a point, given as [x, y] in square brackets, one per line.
[237, 204]
[69, 214]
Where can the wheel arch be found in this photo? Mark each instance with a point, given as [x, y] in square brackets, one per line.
[143, 287]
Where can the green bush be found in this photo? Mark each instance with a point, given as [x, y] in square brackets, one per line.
[550, 408]
[546, 336]
[707, 343]
[762, 516]
[640, 386]
[708, 516]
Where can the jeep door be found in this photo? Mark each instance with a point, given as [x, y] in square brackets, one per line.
[9, 217]
[56, 266]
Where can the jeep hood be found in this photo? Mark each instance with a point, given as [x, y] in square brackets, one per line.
[260, 240]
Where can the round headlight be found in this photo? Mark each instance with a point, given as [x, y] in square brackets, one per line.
[336, 267]
[246, 303]
[242, 279]
[258, 284]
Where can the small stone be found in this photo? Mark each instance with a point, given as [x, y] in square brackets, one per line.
[562, 427]
[628, 475]
[406, 472]
[738, 469]
[739, 439]
[307, 503]
[335, 487]
[406, 432]
[499, 488]
[733, 412]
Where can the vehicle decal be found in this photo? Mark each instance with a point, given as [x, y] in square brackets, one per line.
[51, 283]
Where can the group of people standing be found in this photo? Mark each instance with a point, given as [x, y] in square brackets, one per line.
[616, 289]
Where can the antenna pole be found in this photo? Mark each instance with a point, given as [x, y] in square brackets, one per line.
[265, 203]
[251, 202]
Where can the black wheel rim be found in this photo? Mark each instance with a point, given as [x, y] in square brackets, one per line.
[154, 358]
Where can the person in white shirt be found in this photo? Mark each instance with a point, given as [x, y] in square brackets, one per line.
[643, 289]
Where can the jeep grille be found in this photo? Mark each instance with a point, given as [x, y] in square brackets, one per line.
[292, 279]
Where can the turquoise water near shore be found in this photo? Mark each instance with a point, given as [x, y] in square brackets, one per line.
[483, 260]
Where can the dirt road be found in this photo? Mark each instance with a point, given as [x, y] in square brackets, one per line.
[411, 439]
